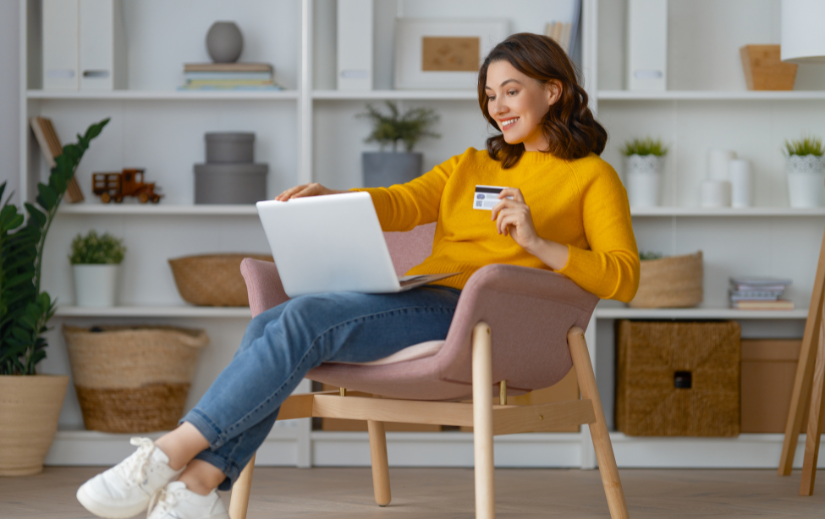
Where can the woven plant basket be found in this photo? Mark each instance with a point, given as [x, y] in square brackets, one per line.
[132, 378]
[212, 279]
[678, 378]
[674, 282]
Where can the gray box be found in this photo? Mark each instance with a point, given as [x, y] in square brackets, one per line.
[230, 148]
[230, 183]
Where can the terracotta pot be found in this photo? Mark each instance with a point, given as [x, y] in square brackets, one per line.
[29, 409]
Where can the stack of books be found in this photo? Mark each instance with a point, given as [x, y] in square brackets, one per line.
[759, 293]
[229, 76]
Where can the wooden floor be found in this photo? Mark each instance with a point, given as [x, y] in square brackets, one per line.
[287, 493]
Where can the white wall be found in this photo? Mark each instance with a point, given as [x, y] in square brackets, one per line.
[9, 95]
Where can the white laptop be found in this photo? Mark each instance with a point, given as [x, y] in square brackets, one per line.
[332, 243]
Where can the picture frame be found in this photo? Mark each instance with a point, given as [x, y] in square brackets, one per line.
[443, 53]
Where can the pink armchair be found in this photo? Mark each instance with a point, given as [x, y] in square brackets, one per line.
[515, 329]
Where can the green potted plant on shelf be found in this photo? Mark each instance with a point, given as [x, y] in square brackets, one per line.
[96, 264]
[644, 164]
[806, 171]
[30, 403]
[396, 167]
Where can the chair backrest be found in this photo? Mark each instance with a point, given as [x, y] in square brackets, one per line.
[410, 248]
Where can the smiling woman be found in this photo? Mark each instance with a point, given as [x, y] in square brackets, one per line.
[529, 78]
[539, 196]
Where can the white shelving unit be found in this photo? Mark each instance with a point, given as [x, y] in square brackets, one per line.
[309, 132]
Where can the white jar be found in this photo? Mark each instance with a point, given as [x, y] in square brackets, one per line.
[95, 285]
[806, 180]
[644, 180]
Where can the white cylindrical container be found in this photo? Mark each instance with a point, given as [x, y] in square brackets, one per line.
[644, 180]
[95, 285]
[716, 193]
[806, 180]
[741, 179]
[718, 164]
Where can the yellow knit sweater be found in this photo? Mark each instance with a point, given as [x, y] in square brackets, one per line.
[580, 203]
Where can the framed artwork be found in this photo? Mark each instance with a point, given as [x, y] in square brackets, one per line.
[443, 54]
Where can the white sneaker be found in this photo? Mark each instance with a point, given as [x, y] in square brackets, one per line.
[178, 502]
[125, 489]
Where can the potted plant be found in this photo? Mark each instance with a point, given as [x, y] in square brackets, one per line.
[95, 263]
[806, 171]
[30, 403]
[644, 164]
[387, 168]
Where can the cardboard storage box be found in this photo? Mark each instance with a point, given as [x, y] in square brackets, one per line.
[678, 378]
[340, 424]
[768, 373]
[566, 389]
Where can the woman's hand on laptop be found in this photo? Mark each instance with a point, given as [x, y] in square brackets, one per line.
[313, 189]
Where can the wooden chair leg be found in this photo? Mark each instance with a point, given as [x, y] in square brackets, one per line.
[380, 464]
[483, 421]
[239, 501]
[598, 429]
[806, 486]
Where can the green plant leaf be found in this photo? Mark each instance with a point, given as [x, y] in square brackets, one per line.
[25, 310]
[47, 197]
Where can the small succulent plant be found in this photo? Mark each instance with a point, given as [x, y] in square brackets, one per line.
[646, 146]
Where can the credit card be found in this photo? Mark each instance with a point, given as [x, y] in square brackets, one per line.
[486, 197]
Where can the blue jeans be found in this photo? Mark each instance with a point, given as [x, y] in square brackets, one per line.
[282, 344]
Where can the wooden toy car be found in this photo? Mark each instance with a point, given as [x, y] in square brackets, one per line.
[129, 182]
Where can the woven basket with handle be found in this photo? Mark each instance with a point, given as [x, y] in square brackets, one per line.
[132, 378]
[212, 279]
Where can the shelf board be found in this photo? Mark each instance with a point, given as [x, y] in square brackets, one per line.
[345, 95]
[726, 211]
[160, 209]
[164, 95]
[697, 313]
[702, 95]
[174, 311]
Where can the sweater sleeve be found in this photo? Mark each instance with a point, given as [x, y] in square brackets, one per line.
[402, 207]
[610, 269]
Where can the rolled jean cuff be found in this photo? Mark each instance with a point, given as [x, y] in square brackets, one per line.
[205, 426]
[229, 468]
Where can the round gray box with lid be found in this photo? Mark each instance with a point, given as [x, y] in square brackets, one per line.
[230, 183]
[230, 148]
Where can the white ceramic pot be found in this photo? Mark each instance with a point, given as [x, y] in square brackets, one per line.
[644, 180]
[806, 180]
[95, 285]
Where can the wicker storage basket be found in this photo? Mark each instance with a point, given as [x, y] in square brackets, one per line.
[132, 379]
[674, 282]
[212, 279]
[678, 378]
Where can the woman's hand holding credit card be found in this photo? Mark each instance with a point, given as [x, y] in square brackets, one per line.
[512, 216]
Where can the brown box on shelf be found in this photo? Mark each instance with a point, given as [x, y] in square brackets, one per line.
[768, 373]
[566, 389]
[678, 378]
[764, 70]
[340, 424]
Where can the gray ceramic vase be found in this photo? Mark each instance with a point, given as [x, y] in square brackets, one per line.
[224, 42]
[383, 169]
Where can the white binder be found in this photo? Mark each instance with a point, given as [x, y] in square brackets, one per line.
[60, 44]
[647, 45]
[103, 63]
[354, 45]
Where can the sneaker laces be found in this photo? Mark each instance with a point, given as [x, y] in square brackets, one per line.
[134, 467]
[164, 500]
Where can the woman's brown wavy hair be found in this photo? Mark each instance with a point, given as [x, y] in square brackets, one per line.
[569, 126]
